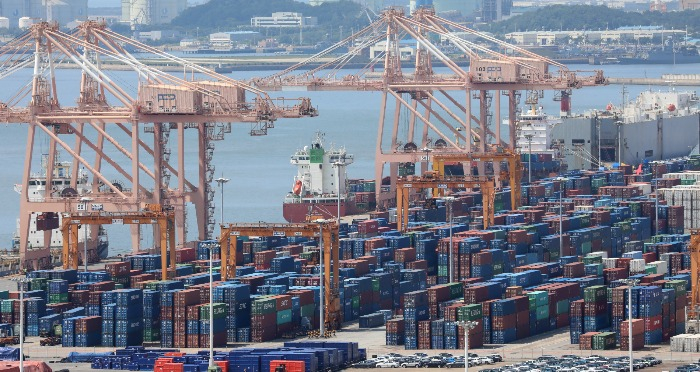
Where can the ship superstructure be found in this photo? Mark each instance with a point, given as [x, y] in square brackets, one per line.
[42, 223]
[320, 184]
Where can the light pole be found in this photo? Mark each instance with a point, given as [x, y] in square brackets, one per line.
[450, 200]
[529, 157]
[337, 166]
[221, 181]
[619, 141]
[321, 326]
[561, 219]
[85, 201]
[656, 206]
[21, 280]
[630, 283]
[468, 325]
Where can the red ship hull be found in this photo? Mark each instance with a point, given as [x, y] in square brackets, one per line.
[297, 212]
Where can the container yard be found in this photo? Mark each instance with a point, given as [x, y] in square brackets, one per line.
[512, 282]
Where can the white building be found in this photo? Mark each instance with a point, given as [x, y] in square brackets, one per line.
[284, 19]
[151, 12]
[226, 40]
[63, 13]
[623, 34]
[406, 49]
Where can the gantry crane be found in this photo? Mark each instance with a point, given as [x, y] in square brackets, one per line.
[152, 215]
[694, 247]
[514, 167]
[327, 233]
[429, 110]
[431, 181]
[119, 96]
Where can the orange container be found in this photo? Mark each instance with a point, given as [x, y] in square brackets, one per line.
[223, 365]
[173, 367]
[290, 365]
[174, 354]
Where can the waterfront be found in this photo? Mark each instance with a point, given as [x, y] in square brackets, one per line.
[259, 166]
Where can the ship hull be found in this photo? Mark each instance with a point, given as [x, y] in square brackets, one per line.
[297, 212]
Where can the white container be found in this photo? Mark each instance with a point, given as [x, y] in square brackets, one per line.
[4, 22]
[644, 187]
[598, 254]
[637, 266]
[609, 263]
[25, 22]
[661, 267]
[688, 197]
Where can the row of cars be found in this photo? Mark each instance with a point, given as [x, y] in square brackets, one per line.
[422, 360]
[693, 367]
[575, 363]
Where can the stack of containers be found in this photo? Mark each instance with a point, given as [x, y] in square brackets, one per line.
[128, 324]
[679, 288]
[35, 308]
[68, 331]
[637, 334]
[151, 316]
[58, 291]
[87, 331]
[264, 319]
[595, 314]
[182, 300]
[503, 321]
[415, 310]
[474, 313]
[395, 332]
[649, 308]
[238, 319]
[120, 272]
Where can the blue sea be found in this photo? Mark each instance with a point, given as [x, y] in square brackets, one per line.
[259, 167]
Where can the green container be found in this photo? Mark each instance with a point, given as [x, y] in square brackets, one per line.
[532, 303]
[151, 334]
[497, 268]
[284, 316]
[4, 295]
[469, 312]
[58, 298]
[563, 306]
[264, 305]
[590, 260]
[308, 310]
[649, 269]
[542, 312]
[6, 306]
[38, 284]
[118, 286]
[541, 298]
[355, 302]
[456, 290]
[375, 285]
[676, 285]
[586, 247]
[604, 341]
[220, 311]
[594, 293]
[442, 270]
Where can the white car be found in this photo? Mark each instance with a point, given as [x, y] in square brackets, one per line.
[387, 364]
[485, 360]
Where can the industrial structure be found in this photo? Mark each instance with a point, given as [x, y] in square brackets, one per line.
[61, 11]
[423, 113]
[151, 12]
[106, 111]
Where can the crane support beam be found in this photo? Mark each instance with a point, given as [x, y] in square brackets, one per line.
[431, 181]
[325, 232]
[153, 215]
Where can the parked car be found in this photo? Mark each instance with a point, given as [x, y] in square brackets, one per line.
[365, 364]
[435, 363]
[411, 363]
[495, 357]
[387, 364]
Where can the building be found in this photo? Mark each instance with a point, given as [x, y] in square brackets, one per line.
[689, 4]
[226, 40]
[156, 35]
[151, 12]
[284, 19]
[319, 2]
[620, 35]
[406, 49]
[64, 12]
[495, 10]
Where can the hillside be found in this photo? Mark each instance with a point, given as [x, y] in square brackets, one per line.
[230, 13]
[586, 17]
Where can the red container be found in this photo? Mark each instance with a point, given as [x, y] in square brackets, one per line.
[574, 270]
[288, 365]
[503, 322]
[396, 326]
[185, 255]
[637, 328]
[652, 323]
[417, 265]
[595, 308]
[576, 308]
[79, 297]
[284, 302]
[118, 269]
[260, 333]
[405, 255]
[306, 296]
[586, 340]
[89, 324]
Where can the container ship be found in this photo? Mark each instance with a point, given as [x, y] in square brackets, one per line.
[654, 126]
[321, 188]
[51, 221]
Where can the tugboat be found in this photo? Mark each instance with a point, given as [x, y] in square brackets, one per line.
[321, 187]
